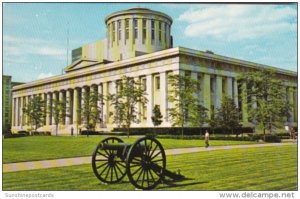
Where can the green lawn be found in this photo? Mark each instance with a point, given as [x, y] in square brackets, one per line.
[267, 168]
[51, 147]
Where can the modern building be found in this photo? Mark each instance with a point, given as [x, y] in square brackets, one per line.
[139, 44]
[7, 86]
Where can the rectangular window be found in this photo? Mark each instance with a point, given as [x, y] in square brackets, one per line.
[157, 82]
[152, 30]
[135, 26]
[119, 30]
[113, 31]
[144, 84]
[159, 31]
[212, 89]
[144, 30]
[165, 33]
[127, 29]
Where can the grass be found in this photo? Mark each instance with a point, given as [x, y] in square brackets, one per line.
[266, 168]
[51, 147]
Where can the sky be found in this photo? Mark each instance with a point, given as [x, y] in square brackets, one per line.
[38, 37]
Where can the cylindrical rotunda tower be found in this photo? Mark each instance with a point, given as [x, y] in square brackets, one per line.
[137, 31]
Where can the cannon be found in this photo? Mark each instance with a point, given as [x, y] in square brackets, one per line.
[144, 162]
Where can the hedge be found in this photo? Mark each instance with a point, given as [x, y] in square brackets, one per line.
[186, 130]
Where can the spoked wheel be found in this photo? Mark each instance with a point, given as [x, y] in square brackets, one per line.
[107, 166]
[146, 163]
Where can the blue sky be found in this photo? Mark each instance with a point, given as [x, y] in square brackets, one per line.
[35, 34]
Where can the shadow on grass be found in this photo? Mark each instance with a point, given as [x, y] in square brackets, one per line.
[172, 183]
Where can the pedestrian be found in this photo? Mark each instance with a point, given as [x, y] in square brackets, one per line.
[206, 138]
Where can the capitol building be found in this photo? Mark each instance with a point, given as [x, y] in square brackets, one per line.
[139, 44]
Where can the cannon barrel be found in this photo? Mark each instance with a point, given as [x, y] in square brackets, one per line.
[114, 147]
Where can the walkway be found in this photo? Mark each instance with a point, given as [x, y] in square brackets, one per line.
[44, 164]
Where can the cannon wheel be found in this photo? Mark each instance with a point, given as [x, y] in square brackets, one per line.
[146, 163]
[107, 166]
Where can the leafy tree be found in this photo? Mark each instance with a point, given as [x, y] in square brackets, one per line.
[35, 111]
[199, 116]
[186, 109]
[228, 115]
[267, 91]
[58, 108]
[129, 94]
[90, 111]
[213, 122]
[157, 116]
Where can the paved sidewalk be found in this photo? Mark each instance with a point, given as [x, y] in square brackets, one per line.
[44, 164]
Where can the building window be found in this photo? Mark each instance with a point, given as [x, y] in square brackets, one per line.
[144, 84]
[113, 31]
[159, 31]
[157, 82]
[127, 29]
[135, 26]
[119, 30]
[165, 33]
[144, 30]
[152, 31]
[212, 88]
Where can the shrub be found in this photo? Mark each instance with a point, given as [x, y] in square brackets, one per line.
[272, 138]
[41, 133]
[177, 130]
[24, 132]
[14, 135]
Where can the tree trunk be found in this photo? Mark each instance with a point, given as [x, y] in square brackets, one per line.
[56, 129]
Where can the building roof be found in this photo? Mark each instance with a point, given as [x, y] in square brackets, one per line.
[137, 11]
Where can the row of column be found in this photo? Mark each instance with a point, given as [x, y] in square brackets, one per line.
[209, 97]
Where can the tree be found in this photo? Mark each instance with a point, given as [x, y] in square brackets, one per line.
[199, 116]
[266, 91]
[35, 111]
[58, 108]
[90, 111]
[186, 109]
[213, 122]
[129, 94]
[157, 116]
[228, 115]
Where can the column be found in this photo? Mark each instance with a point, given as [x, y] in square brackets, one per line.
[219, 93]
[235, 93]
[54, 99]
[291, 102]
[68, 107]
[163, 96]
[253, 100]
[24, 115]
[48, 108]
[84, 92]
[100, 104]
[149, 90]
[295, 105]
[138, 104]
[17, 111]
[21, 112]
[105, 103]
[112, 90]
[229, 87]
[244, 105]
[42, 95]
[75, 106]
[62, 100]
[206, 93]
[13, 113]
